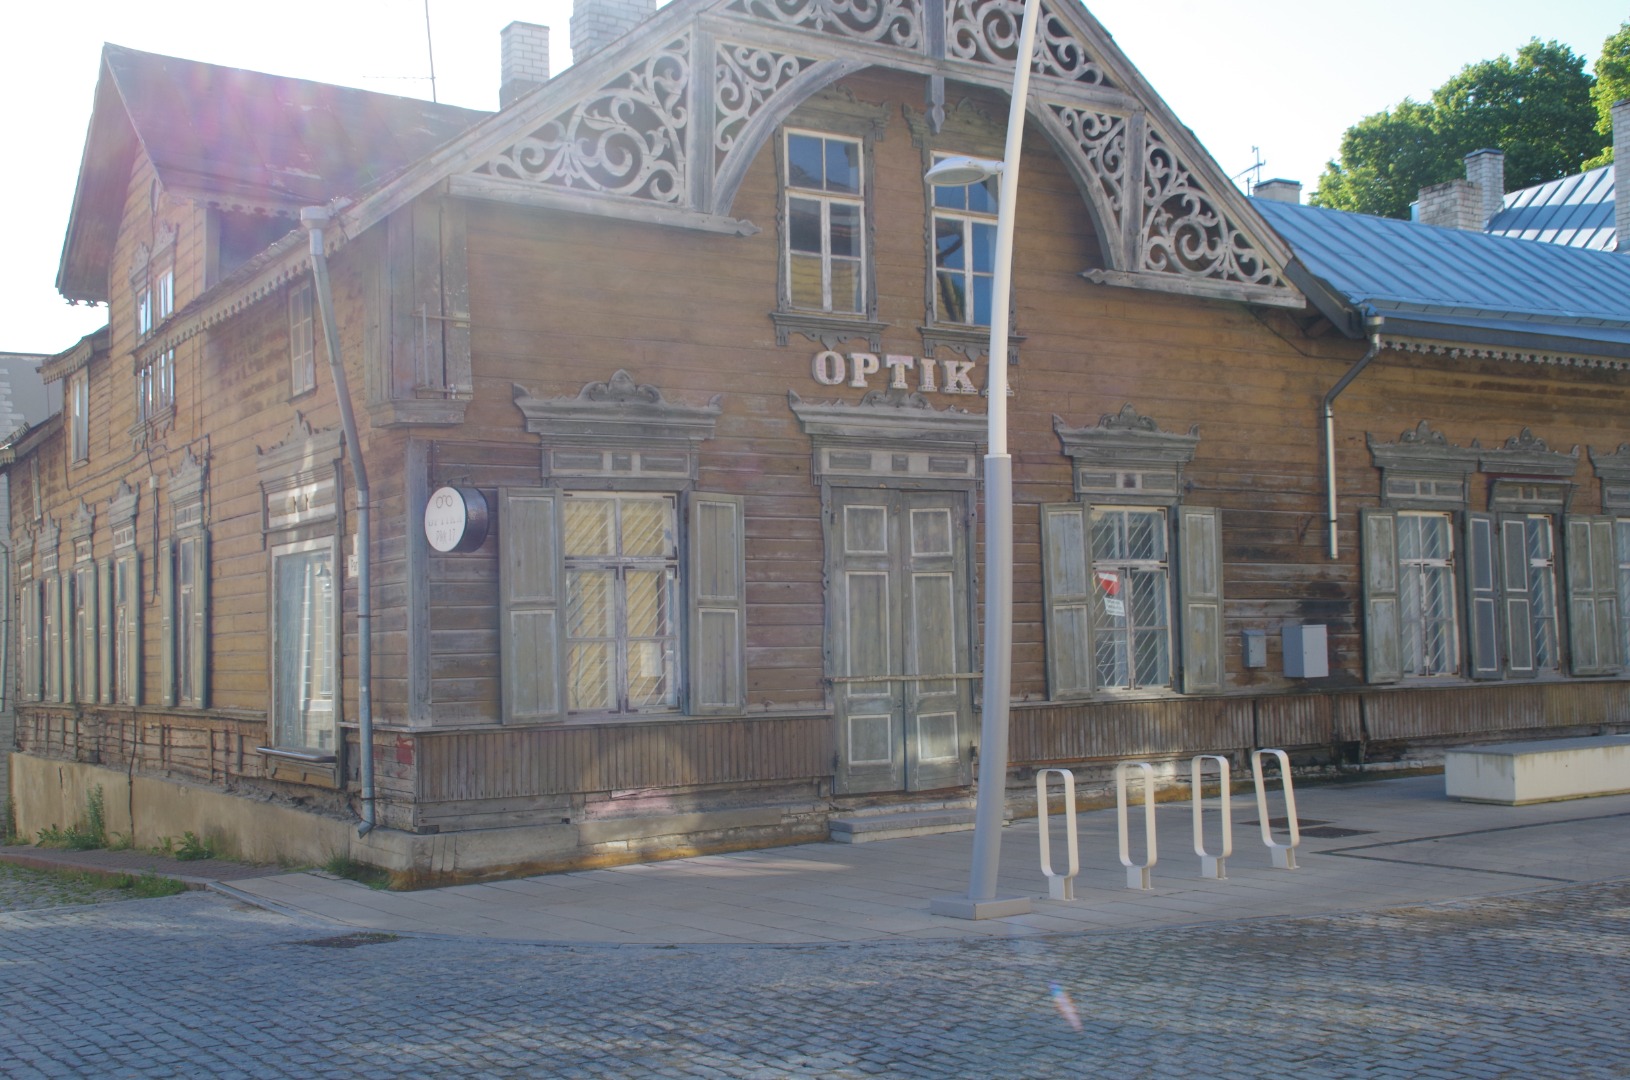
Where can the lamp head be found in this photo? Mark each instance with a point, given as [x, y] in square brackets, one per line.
[960, 171]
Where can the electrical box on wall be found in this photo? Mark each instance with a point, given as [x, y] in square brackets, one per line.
[1255, 648]
[1307, 651]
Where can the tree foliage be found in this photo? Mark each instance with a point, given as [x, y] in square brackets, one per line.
[1537, 108]
[1612, 85]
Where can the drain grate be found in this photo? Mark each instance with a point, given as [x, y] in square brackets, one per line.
[1284, 823]
[1334, 832]
[349, 941]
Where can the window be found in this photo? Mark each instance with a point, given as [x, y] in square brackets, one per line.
[79, 429]
[30, 612]
[825, 212]
[1132, 577]
[304, 619]
[125, 646]
[85, 662]
[1529, 561]
[184, 569]
[602, 617]
[964, 251]
[302, 340]
[1426, 594]
[622, 574]
[155, 380]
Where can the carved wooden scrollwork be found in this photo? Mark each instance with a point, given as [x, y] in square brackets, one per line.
[627, 140]
[890, 22]
[745, 79]
[1184, 228]
[987, 31]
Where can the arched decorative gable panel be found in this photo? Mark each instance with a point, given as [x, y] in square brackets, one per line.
[664, 125]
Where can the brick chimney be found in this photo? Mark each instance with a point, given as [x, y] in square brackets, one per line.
[1279, 190]
[597, 23]
[1486, 169]
[1454, 205]
[1621, 172]
[525, 63]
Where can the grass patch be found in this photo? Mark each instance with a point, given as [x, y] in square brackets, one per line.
[346, 867]
[87, 835]
[148, 885]
[9, 825]
[187, 849]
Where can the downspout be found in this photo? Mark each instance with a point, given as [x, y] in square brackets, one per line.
[1372, 324]
[314, 218]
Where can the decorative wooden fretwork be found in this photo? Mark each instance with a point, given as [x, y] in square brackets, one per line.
[890, 437]
[1613, 470]
[1423, 470]
[680, 107]
[1127, 458]
[619, 433]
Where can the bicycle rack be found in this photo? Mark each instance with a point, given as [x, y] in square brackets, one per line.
[1059, 886]
[1137, 877]
[1284, 855]
[1211, 866]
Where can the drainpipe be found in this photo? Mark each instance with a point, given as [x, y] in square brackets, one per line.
[314, 218]
[1372, 324]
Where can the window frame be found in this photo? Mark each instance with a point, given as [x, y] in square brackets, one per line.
[330, 547]
[1422, 565]
[1123, 571]
[826, 198]
[78, 408]
[968, 221]
[302, 338]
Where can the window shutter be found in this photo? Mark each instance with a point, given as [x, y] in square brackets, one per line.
[1068, 599]
[67, 631]
[104, 616]
[1199, 546]
[166, 589]
[31, 641]
[90, 659]
[1593, 596]
[529, 604]
[133, 638]
[1483, 596]
[716, 583]
[1519, 606]
[198, 639]
[1383, 628]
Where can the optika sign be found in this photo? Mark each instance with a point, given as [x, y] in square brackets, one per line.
[926, 375]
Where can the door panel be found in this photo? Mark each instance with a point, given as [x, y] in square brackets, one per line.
[899, 567]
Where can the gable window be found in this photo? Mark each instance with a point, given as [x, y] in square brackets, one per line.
[1132, 576]
[964, 251]
[623, 591]
[155, 379]
[825, 212]
[79, 422]
[302, 340]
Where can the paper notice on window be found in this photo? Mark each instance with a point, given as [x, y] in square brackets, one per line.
[1110, 585]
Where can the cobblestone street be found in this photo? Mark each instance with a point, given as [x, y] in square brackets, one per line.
[197, 985]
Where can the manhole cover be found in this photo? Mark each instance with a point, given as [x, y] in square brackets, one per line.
[1333, 832]
[348, 941]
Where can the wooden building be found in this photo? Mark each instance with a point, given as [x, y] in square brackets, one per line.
[686, 330]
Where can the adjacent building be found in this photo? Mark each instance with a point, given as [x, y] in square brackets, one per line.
[666, 382]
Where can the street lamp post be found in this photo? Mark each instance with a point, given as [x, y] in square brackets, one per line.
[982, 901]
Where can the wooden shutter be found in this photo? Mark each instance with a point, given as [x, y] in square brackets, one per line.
[199, 638]
[1200, 597]
[716, 584]
[31, 641]
[166, 590]
[1519, 606]
[529, 605]
[1483, 596]
[104, 618]
[1593, 596]
[1067, 595]
[1383, 626]
[66, 632]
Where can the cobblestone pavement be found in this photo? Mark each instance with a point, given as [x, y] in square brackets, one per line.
[195, 985]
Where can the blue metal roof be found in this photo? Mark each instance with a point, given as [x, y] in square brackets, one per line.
[1459, 285]
[1575, 211]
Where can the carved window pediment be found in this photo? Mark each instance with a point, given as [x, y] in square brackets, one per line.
[1525, 454]
[1613, 470]
[1127, 458]
[1423, 469]
[299, 478]
[618, 430]
[891, 435]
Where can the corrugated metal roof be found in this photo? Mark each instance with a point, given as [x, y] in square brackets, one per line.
[1575, 211]
[1459, 282]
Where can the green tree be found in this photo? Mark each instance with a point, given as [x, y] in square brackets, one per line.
[1612, 85]
[1536, 108]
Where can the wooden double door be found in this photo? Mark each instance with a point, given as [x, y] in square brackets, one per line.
[898, 639]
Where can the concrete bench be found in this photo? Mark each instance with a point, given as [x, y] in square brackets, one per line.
[1550, 770]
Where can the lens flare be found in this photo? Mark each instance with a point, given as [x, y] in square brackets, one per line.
[1066, 1007]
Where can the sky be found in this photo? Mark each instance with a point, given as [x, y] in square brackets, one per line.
[1286, 80]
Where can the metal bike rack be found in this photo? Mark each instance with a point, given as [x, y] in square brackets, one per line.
[1211, 866]
[1137, 877]
[1059, 886]
[1284, 855]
